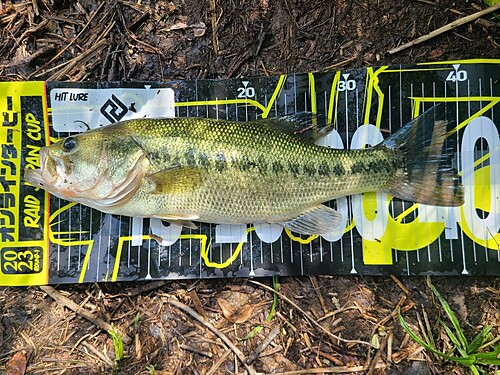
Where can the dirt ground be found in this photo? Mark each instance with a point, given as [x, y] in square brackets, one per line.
[320, 324]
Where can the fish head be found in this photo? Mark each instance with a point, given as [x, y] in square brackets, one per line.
[96, 168]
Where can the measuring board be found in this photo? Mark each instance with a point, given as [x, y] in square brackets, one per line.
[45, 240]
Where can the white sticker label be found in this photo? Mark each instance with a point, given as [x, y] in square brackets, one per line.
[230, 233]
[77, 110]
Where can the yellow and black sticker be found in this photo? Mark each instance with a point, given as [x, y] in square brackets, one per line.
[24, 245]
[48, 240]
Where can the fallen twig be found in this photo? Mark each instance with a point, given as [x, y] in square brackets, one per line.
[445, 28]
[196, 350]
[400, 284]
[65, 301]
[375, 361]
[215, 41]
[146, 288]
[217, 364]
[219, 334]
[263, 345]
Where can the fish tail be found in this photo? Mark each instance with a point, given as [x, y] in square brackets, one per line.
[425, 157]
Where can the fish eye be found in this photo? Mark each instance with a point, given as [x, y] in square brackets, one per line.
[69, 144]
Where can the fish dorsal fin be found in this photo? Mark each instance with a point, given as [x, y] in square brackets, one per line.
[178, 180]
[316, 220]
[304, 125]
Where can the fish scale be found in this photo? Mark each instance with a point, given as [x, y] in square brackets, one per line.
[243, 182]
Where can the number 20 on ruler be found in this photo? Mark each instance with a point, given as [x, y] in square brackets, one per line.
[246, 91]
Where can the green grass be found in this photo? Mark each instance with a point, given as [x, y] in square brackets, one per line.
[474, 354]
[117, 344]
[270, 316]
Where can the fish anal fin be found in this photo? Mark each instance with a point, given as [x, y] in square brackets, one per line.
[178, 180]
[320, 219]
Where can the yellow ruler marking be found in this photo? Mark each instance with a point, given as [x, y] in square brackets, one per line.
[265, 110]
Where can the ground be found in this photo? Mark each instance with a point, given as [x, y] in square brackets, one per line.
[321, 324]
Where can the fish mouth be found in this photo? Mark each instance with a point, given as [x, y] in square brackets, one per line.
[45, 175]
[34, 177]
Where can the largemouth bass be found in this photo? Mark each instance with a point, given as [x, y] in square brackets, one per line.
[193, 169]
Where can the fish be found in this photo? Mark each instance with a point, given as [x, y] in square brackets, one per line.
[185, 170]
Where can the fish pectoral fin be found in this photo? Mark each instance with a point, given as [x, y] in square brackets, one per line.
[178, 180]
[316, 220]
[183, 221]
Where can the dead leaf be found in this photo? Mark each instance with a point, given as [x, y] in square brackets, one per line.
[462, 308]
[17, 364]
[436, 53]
[172, 7]
[198, 29]
[178, 26]
[233, 314]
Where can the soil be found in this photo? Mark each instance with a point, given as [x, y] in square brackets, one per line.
[321, 324]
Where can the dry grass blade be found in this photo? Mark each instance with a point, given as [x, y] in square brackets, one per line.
[197, 304]
[78, 60]
[103, 357]
[317, 289]
[332, 370]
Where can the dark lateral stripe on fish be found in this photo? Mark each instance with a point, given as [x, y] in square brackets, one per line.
[324, 169]
[338, 169]
[294, 169]
[371, 166]
[203, 160]
[190, 156]
[277, 167]
[220, 162]
[309, 170]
